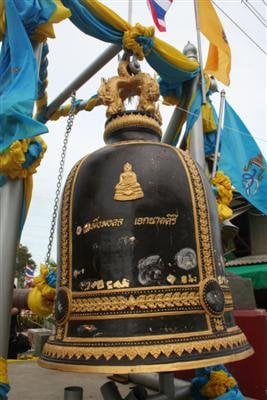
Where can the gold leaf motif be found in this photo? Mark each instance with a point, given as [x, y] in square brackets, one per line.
[142, 302]
[218, 324]
[60, 332]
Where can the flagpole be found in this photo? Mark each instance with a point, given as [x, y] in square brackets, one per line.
[218, 138]
[203, 82]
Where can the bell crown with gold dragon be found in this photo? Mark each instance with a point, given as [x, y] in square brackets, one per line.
[116, 90]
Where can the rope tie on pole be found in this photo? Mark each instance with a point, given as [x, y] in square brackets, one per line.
[131, 40]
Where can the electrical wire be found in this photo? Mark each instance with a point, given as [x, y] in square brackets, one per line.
[239, 27]
[254, 11]
[264, 2]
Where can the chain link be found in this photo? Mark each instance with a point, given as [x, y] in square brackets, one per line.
[60, 176]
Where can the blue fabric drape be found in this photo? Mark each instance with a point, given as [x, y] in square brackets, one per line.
[194, 111]
[18, 75]
[90, 25]
[171, 76]
[4, 389]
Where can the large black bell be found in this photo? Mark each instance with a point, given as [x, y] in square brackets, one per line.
[142, 284]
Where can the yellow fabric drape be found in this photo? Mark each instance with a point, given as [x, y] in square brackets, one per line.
[2, 19]
[43, 31]
[209, 125]
[106, 14]
[219, 57]
[12, 159]
[167, 51]
[3, 371]
[129, 38]
[41, 297]
[63, 111]
[46, 30]
[225, 195]
[174, 56]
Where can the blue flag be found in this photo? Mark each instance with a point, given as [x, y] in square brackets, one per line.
[242, 160]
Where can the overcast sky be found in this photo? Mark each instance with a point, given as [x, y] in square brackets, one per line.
[72, 51]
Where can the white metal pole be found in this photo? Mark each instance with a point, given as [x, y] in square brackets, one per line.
[203, 82]
[130, 11]
[11, 199]
[11, 196]
[218, 138]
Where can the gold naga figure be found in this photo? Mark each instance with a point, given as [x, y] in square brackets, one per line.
[114, 91]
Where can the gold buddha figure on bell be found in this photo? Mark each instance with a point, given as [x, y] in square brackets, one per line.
[128, 187]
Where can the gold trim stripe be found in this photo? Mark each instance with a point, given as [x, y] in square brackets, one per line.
[132, 351]
[127, 315]
[133, 290]
[178, 366]
[66, 226]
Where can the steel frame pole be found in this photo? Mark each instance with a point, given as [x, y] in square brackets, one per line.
[11, 198]
[196, 147]
[176, 117]
[170, 388]
[190, 52]
[73, 393]
[10, 212]
[203, 82]
[218, 137]
[130, 11]
[84, 76]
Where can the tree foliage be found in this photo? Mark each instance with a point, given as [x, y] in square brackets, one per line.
[23, 258]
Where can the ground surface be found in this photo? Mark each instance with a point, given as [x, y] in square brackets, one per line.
[30, 382]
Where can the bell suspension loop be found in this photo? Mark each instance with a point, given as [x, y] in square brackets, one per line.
[69, 125]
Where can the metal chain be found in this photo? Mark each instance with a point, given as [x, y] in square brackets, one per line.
[60, 176]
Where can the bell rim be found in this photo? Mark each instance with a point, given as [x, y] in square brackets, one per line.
[177, 366]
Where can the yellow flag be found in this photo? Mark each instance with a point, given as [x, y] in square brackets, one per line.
[219, 57]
